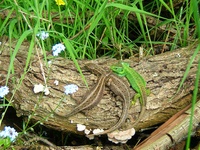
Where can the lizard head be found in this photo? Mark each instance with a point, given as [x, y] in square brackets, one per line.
[118, 70]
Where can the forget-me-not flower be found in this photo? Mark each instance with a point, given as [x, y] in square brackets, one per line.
[57, 49]
[4, 90]
[9, 132]
[70, 89]
[43, 35]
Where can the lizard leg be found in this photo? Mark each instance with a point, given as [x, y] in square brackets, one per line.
[148, 92]
[136, 97]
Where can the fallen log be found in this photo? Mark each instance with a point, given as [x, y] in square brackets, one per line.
[163, 74]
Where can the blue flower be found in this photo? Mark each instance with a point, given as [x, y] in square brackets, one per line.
[43, 35]
[9, 132]
[4, 90]
[70, 89]
[57, 49]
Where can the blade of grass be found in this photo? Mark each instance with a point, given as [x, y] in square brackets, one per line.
[166, 6]
[71, 50]
[132, 9]
[188, 68]
[11, 28]
[194, 7]
[94, 21]
[13, 55]
[73, 54]
[5, 22]
[194, 98]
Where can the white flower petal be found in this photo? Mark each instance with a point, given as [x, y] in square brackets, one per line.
[9, 132]
[70, 89]
[58, 48]
[4, 90]
[42, 35]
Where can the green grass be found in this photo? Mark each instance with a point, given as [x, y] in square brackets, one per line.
[104, 32]
[92, 29]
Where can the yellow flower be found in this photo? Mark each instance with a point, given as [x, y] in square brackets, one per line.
[60, 2]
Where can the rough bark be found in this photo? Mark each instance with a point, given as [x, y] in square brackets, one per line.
[163, 74]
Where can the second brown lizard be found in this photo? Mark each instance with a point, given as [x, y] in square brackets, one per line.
[120, 89]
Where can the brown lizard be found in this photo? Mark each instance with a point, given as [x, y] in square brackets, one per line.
[92, 97]
[120, 89]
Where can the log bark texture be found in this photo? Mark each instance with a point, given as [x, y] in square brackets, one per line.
[163, 74]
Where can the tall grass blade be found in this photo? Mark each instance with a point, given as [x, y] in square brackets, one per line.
[13, 55]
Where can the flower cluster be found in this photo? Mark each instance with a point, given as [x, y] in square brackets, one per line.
[4, 90]
[60, 2]
[70, 89]
[9, 132]
[43, 35]
[58, 48]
